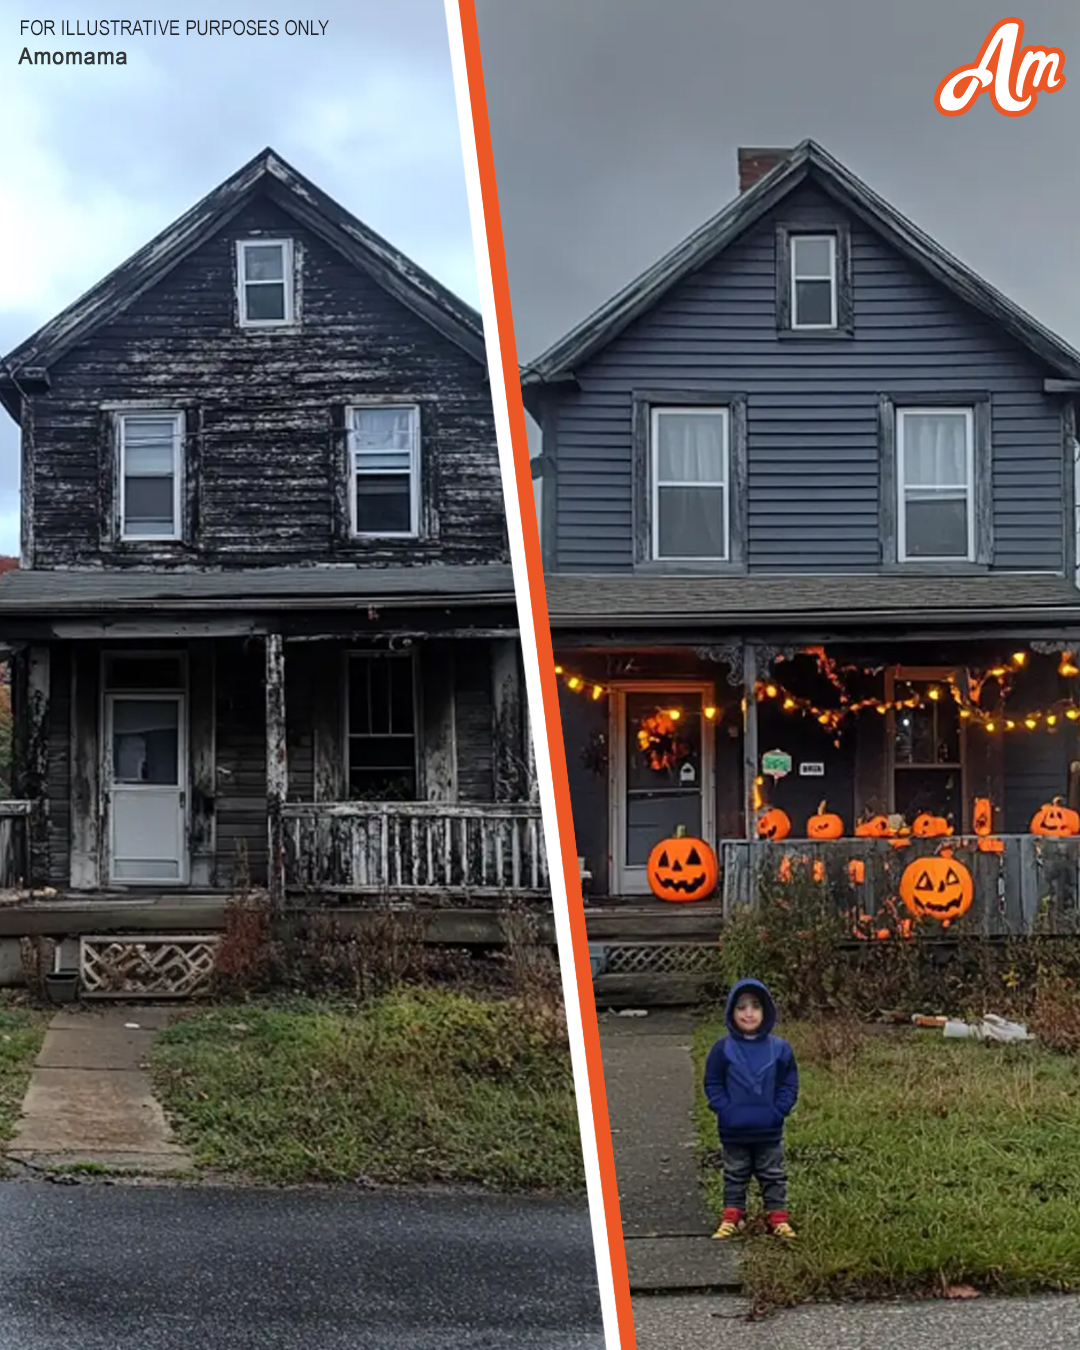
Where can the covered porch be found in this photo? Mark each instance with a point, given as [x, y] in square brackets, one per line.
[899, 716]
[372, 747]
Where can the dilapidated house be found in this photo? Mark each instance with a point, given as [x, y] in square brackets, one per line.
[264, 623]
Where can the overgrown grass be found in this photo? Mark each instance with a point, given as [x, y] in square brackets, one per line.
[417, 1086]
[22, 1029]
[917, 1163]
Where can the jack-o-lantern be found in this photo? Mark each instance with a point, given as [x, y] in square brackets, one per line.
[937, 888]
[990, 843]
[877, 827]
[682, 868]
[824, 825]
[982, 816]
[856, 870]
[773, 824]
[928, 826]
[1055, 820]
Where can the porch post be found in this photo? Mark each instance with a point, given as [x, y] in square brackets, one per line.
[750, 736]
[532, 783]
[277, 766]
[37, 764]
[508, 705]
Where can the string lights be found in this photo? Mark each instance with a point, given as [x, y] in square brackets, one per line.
[964, 689]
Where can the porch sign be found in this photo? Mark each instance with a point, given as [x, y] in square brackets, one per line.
[776, 763]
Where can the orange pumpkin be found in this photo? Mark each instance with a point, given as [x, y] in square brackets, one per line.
[877, 827]
[773, 824]
[1055, 820]
[927, 826]
[824, 825]
[856, 870]
[937, 888]
[682, 868]
[818, 872]
[982, 816]
[989, 843]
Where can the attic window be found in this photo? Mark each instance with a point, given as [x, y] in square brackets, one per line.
[813, 281]
[265, 282]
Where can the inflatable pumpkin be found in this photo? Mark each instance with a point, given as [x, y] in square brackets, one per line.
[937, 888]
[682, 868]
[773, 824]
[1055, 820]
[824, 825]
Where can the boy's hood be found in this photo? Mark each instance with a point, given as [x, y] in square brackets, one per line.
[767, 1005]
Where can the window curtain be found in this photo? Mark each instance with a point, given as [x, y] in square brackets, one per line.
[935, 451]
[691, 449]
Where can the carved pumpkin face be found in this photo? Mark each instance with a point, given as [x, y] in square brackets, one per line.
[682, 868]
[877, 827]
[926, 826]
[824, 825]
[937, 888]
[1055, 820]
[773, 824]
[982, 816]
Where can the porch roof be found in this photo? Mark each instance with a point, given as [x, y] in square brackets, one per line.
[345, 587]
[580, 600]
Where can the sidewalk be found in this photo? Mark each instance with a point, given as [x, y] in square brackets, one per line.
[90, 1099]
[651, 1091]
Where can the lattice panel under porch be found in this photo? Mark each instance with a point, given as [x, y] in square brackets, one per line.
[658, 958]
[147, 966]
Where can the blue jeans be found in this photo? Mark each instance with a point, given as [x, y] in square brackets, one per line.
[764, 1161]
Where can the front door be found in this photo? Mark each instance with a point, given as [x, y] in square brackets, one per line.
[145, 758]
[661, 768]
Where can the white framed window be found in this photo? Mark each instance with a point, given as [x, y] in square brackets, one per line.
[935, 459]
[150, 474]
[384, 471]
[813, 281]
[690, 473]
[380, 732]
[264, 272]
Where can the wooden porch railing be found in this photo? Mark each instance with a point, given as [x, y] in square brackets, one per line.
[1032, 876]
[14, 844]
[382, 847]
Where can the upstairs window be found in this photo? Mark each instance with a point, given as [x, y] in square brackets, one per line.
[384, 471]
[150, 473]
[935, 480]
[813, 281]
[265, 282]
[690, 473]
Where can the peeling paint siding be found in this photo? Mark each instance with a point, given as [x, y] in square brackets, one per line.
[474, 713]
[58, 777]
[265, 455]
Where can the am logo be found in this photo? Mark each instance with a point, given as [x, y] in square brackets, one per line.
[1012, 74]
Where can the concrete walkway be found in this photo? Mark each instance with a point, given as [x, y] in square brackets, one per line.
[90, 1099]
[651, 1091]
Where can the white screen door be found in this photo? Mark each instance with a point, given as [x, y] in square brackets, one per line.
[661, 774]
[145, 761]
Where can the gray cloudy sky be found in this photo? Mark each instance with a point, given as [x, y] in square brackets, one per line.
[615, 125]
[95, 161]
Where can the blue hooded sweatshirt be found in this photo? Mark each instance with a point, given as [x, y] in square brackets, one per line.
[751, 1082]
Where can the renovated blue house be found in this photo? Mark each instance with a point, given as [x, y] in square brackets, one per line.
[810, 528]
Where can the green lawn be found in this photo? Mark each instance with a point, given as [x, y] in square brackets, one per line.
[917, 1162]
[22, 1030]
[421, 1086]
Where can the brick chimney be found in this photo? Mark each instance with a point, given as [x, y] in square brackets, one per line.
[755, 163]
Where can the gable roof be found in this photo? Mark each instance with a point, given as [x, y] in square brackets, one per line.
[807, 161]
[270, 174]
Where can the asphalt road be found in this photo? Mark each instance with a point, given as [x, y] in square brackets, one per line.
[159, 1268]
[699, 1322]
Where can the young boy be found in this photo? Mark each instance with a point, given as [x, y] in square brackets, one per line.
[752, 1082]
